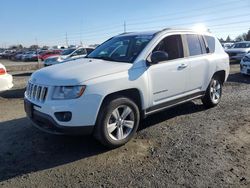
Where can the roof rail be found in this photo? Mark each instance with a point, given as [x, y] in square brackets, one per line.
[125, 33]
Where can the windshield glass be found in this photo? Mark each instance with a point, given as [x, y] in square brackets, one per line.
[121, 48]
[68, 51]
[242, 45]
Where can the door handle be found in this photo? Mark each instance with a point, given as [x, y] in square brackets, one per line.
[182, 66]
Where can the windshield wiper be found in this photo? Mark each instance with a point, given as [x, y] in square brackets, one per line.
[103, 58]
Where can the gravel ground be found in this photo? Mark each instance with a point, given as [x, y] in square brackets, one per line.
[186, 146]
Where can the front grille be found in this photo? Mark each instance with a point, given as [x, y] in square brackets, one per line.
[36, 92]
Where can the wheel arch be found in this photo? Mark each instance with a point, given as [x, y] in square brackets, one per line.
[221, 74]
[133, 93]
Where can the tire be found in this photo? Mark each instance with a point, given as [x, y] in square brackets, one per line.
[113, 130]
[213, 93]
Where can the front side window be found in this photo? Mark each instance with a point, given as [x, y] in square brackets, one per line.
[194, 45]
[121, 48]
[172, 45]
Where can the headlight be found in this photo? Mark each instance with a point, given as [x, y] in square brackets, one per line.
[68, 92]
[246, 59]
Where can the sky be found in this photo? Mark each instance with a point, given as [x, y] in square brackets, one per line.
[58, 22]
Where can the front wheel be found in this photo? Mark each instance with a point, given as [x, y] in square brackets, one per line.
[117, 122]
[213, 93]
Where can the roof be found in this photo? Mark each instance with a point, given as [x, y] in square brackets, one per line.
[159, 31]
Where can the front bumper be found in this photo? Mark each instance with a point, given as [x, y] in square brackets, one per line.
[47, 124]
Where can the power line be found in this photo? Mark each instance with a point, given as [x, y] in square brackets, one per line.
[218, 5]
[191, 10]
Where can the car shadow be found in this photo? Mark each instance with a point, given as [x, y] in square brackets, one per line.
[183, 109]
[239, 78]
[22, 74]
[13, 93]
[25, 149]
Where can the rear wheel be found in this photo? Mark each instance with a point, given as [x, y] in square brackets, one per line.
[213, 93]
[117, 122]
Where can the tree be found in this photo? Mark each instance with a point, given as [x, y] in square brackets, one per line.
[20, 46]
[34, 47]
[221, 40]
[243, 37]
[228, 39]
[248, 35]
[45, 47]
[239, 38]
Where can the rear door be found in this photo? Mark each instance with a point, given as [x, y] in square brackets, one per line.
[198, 61]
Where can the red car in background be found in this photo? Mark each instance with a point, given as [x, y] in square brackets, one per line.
[50, 53]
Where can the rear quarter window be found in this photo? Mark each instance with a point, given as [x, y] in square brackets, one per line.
[211, 43]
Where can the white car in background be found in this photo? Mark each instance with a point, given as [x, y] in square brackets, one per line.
[238, 51]
[245, 65]
[68, 55]
[227, 45]
[5, 79]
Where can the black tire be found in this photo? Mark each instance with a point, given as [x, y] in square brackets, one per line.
[208, 100]
[103, 121]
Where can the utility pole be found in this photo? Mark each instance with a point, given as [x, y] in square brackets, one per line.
[125, 27]
[37, 54]
[66, 39]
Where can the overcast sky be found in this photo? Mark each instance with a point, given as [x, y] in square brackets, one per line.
[93, 21]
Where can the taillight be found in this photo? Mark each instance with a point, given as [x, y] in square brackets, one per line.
[2, 71]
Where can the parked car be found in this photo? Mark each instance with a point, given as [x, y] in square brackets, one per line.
[1, 52]
[68, 55]
[49, 53]
[238, 51]
[6, 54]
[125, 79]
[227, 45]
[5, 79]
[17, 56]
[25, 56]
[245, 65]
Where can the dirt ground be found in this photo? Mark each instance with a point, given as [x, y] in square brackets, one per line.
[186, 146]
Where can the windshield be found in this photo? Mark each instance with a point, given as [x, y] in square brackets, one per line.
[121, 48]
[241, 45]
[68, 51]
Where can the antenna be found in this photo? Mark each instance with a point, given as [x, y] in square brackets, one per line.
[66, 39]
[125, 27]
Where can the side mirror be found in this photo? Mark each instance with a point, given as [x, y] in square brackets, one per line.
[158, 56]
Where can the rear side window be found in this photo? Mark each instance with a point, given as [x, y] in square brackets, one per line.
[194, 45]
[211, 43]
[172, 45]
[203, 45]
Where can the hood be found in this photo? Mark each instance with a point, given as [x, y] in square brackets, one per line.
[76, 72]
[238, 50]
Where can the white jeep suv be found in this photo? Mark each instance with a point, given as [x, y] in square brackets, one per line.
[127, 78]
